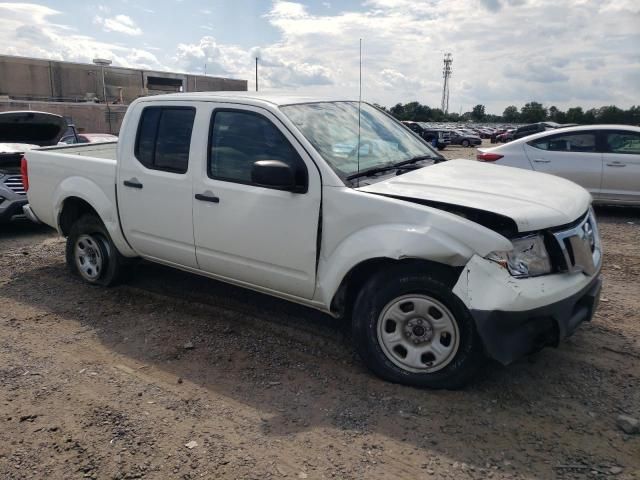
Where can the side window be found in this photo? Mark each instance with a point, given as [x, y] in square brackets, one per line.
[623, 142]
[570, 142]
[164, 137]
[239, 139]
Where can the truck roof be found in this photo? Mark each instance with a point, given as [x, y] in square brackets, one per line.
[257, 98]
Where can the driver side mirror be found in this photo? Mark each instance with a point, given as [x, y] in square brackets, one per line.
[275, 174]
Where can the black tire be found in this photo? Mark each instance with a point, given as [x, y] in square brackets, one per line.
[465, 143]
[398, 281]
[113, 266]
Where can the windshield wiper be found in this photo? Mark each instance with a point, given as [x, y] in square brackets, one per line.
[394, 166]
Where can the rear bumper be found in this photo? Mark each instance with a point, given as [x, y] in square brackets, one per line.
[28, 212]
[508, 336]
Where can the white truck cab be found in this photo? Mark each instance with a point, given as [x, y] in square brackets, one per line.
[335, 205]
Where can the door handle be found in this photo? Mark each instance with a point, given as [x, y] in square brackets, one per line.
[133, 183]
[207, 198]
[616, 164]
[541, 160]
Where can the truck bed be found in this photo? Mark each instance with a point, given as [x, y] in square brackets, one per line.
[88, 170]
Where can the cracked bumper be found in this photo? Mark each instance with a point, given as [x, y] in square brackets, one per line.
[515, 317]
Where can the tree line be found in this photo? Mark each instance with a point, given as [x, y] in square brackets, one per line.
[529, 113]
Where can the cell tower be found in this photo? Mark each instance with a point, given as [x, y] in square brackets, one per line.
[446, 74]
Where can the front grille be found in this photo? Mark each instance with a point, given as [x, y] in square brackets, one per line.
[580, 246]
[14, 183]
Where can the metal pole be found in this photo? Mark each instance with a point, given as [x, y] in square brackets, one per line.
[104, 96]
[256, 74]
[104, 88]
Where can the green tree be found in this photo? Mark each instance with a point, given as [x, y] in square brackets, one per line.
[398, 111]
[478, 113]
[453, 117]
[511, 114]
[575, 115]
[533, 112]
[590, 116]
[437, 115]
[610, 114]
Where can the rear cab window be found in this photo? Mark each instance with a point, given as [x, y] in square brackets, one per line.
[164, 138]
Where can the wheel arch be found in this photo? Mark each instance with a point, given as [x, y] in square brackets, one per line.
[76, 196]
[345, 296]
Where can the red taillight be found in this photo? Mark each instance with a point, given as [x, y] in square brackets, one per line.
[25, 174]
[488, 157]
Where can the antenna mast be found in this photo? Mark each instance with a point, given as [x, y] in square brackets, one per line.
[446, 74]
[359, 108]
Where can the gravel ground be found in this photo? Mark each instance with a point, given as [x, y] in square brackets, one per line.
[456, 151]
[176, 376]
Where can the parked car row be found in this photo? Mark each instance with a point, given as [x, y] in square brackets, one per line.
[443, 137]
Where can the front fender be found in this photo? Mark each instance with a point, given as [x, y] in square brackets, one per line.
[90, 192]
[394, 241]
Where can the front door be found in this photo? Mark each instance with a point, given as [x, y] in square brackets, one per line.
[573, 156]
[154, 185]
[621, 175]
[251, 234]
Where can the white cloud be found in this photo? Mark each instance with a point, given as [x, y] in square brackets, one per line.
[120, 24]
[30, 30]
[505, 51]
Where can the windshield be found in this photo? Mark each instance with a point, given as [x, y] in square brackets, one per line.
[332, 128]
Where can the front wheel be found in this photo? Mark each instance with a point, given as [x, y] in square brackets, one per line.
[465, 143]
[409, 328]
[91, 254]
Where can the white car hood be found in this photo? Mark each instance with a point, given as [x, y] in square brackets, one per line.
[533, 200]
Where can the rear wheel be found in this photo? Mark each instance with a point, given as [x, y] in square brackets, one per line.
[409, 328]
[465, 143]
[91, 254]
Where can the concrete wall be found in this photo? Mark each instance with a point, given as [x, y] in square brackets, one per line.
[89, 117]
[34, 79]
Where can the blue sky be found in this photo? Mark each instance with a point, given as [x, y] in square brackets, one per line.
[559, 52]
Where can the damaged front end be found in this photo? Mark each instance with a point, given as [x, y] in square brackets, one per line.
[537, 294]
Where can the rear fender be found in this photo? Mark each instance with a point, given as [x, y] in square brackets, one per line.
[106, 208]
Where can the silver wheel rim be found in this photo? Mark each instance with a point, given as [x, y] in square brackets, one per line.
[89, 258]
[418, 333]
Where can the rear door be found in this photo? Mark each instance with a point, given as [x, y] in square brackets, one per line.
[155, 186]
[621, 174]
[573, 156]
[249, 233]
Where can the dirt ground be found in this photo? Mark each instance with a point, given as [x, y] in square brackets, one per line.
[457, 151]
[176, 376]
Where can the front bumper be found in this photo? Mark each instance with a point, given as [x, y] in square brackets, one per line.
[508, 336]
[11, 208]
[515, 317]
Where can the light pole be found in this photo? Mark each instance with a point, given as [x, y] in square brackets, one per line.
[256, 74]
[103, 62]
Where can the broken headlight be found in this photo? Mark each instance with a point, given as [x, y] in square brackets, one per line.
[528, 258]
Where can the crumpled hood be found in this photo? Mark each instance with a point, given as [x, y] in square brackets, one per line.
[533, 200]
[34, 128]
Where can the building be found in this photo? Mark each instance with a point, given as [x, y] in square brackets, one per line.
[76, 90]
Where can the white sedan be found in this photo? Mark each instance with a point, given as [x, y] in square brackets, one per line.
[604, 159]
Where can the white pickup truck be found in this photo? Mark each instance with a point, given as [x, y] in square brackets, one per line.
[334, 205]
